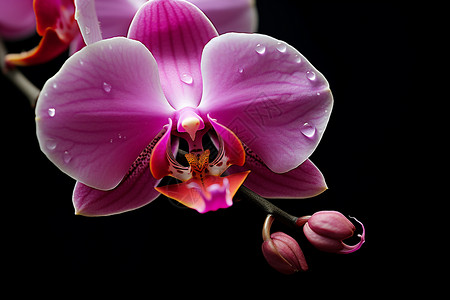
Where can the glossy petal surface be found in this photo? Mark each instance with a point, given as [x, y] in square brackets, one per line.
[230, 15]
[115, 16]
[175, 32]
[159, 165]
[305, 181]
[267, 93]
[86, 16]
[136, 190]
[232, 146]
[97, 114]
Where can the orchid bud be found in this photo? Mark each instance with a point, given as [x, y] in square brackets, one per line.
[281, 251]
[326, 230]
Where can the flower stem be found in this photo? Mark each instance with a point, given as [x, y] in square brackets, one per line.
[16, 77]
[269, 208]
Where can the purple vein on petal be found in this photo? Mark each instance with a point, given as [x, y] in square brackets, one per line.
[135, 190]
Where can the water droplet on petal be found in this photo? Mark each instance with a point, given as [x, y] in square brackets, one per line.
[107, 87]
[187, 78]
[261, 49]
[281, 47]
[51, 112]
[87, 30]
[318, 93]
[297, 58]
[308, 130]
[55, 85]
[241, 70]
[81, 62]
[67, 157]
[51, 145]
[311, 75]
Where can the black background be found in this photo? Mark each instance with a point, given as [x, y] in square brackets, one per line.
[365, 50]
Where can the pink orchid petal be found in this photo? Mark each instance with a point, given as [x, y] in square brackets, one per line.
[175, 32]
[115, 16]
[159, 165]
[136, 190]
[266, 92]
[86, 16]
[322, 243]
[350, 249]
[230, 15]
[97, 114]
[17, 19]
[305, 181]
[232, 146]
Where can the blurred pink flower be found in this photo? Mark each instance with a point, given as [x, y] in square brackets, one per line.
[56, 23]
[17, 19]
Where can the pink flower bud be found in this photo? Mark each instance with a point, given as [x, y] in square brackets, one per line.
[281, 251]
[326, 230]
[283, 254]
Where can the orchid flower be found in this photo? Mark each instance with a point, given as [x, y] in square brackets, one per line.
[56, 24]
[112, 117]
[16, 19]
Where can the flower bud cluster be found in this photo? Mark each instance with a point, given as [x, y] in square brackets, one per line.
[325, 230]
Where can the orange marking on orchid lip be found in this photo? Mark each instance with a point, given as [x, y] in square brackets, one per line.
[198, 163]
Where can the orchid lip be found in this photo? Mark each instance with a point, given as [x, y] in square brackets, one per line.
[203, 187]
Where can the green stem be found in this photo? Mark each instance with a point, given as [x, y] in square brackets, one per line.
[20, 81]
[270, 208]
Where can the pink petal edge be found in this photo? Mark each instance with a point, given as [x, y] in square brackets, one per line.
[305, 181]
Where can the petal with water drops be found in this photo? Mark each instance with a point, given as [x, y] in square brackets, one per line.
[260, 88]
[96, 131]
[175, 32]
